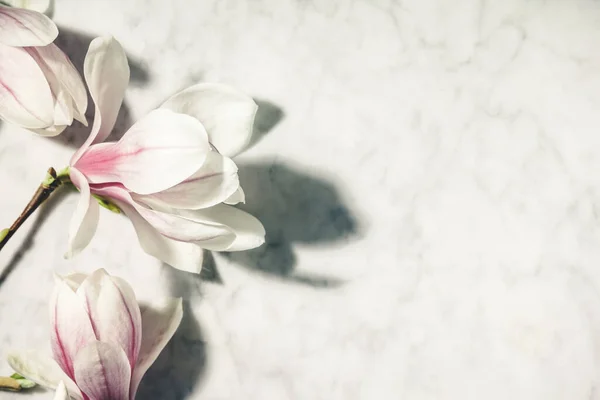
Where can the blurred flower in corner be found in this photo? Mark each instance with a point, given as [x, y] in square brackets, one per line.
[40, 89]
[170, 173]
[102, 342]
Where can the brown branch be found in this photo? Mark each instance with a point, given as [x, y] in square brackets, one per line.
[7, 383]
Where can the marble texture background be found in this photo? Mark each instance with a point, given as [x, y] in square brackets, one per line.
[429, 176]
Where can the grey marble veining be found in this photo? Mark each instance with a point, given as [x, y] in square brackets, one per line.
[428, 174]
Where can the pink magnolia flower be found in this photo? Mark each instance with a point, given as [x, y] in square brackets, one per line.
[40, 89]
[102, 342]
[165, 173]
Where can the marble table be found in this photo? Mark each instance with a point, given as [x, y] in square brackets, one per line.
[429, 176]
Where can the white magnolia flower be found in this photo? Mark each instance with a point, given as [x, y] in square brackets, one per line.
[40, 89]
[169, 173]
[102, 342]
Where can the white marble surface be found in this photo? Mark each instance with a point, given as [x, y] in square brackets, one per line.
[430, 180]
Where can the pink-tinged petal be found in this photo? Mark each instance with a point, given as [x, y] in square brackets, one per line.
[107, 74]
[237, 197]
[42, 370]
[85, 219]
[215, 182]
[159, 323]
[227, 114]
[20, 27]
[61, 392]
[181, 255]
[114, 312]
[25, 96]
[249, 232]
[158, 152]
[71, 328]
[102, 372]
[65, 82]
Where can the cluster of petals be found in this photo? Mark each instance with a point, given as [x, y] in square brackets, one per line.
[40, 89]
[170, 172]
[102, 341]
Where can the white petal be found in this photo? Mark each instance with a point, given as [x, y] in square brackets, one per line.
[51, 131]
[158, 152]
[74, 280]
[85, 219]
[20, 27]
[114, 312]
[63, 78]
[71, 328]
[215, 182]
[237, 197]
[42, 370]
[102, 372]
[107, 74]
[181, 255]
[184, 229]
[227, 114]
[61, 392]
[159, 323]
[25, 96]
[249, 232]
[41, 6]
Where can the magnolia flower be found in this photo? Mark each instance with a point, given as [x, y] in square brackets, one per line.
[102, 343]
[40, 88]
[168, 173]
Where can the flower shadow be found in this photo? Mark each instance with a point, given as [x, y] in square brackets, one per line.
[75, 45]
[182, 364]
[295, 208]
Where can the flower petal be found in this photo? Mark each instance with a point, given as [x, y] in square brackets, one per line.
[185, 229]
[215, 182]
[181, 255]
[74, 280]
[159, 323]
[237, 197]
[102, 372]
[42, 370]
[64, 80]
[227, 114]
[107, 74]
[25, 96]
[85, 220]
[61, 392]
[114, 312]
[158, 152]
[20, 27]
[41, 6]
[249, 232]
[70, 326]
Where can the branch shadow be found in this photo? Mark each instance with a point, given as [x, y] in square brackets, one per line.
[182, 364]
[295, 208]
[75, 46]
